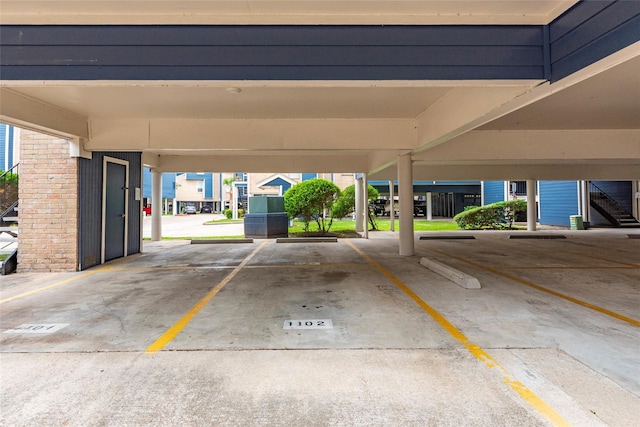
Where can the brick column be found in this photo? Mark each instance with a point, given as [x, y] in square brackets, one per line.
[48, 208]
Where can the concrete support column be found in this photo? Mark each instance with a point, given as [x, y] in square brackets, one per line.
[234, 200]
[365, 205]
[156, 206]
[174, 207]
[358, 192]
[636, 199]
[532, 212]
[405, 193]
[429, 207]
[392, 217]
[585, 199]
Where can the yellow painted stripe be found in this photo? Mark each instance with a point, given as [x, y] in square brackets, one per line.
[174, 330]
[543, 289]
[571, 267]
[54, 285]
[529, 396]
[609, 260]
[104, 268]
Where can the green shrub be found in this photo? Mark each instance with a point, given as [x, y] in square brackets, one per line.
[228, 213]
[310, 200]
[495, 216]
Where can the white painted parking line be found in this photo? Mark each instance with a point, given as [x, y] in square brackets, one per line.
[37, 328]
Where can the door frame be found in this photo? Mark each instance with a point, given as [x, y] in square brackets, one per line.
[125, 163]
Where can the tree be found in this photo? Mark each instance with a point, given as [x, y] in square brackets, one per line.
[229, 183]
[312, 200]
[346, 203]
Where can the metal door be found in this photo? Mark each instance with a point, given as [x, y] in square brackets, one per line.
[115, 209]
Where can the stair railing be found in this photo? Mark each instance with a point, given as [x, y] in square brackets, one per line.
[8, 191]
[608, 203]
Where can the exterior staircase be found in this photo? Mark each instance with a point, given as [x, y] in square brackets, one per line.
[9, 229]
[610, 209]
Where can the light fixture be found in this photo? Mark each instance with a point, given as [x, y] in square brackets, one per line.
[234, 90]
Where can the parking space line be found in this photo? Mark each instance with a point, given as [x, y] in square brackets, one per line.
[111, 266]
[568, 267]
[542, 289]
[55, 285]
[174, 330]
[525, 393]
[609, 260]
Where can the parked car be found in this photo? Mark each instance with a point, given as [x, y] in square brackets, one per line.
[190, 209]
[206, 209]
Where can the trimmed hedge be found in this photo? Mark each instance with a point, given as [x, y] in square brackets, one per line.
[494, 216]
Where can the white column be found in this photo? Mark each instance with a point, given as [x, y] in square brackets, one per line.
[531, 205]
[358, 191]
[392, 217]
[636, 198]
[365, 205]
[156, 206]
[234, 208]
[429, 207]
[405, 193]
[586, 200]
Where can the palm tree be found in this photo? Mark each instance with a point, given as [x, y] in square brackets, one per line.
[228, 182]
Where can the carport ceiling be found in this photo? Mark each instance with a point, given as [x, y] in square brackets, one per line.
[337, 126]
[268, 100]
[283, 12]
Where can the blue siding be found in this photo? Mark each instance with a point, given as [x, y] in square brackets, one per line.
[558, 201]
[493, 192]
[590, 31]
[308, 176]
[10, 142]
[3, 142]
[168, 184]
[268, 52]
[279, 182]
[207, 177]
[208, 186]
[7, 136]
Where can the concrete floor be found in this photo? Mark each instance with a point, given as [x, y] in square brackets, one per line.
[197, 335]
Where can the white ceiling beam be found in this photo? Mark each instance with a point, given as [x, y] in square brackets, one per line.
[258, 163]
[250, 134]
[462, 110]
[623, 169]
[29, 113]
[536, 145]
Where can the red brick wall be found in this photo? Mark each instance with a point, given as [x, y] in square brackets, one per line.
[48, 207]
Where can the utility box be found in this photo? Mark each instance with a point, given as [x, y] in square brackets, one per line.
[266, 225]
[266, 204]
[576, 222]
[266, 218]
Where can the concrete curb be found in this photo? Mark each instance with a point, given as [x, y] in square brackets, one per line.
[537, 236]
[456, 276]
[307, 240]
[214, 241]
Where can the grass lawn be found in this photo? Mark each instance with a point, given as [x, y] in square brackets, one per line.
[225, 221]
[347, 227]
[339, 228]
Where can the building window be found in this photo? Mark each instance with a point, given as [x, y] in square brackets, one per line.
[200, 186]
